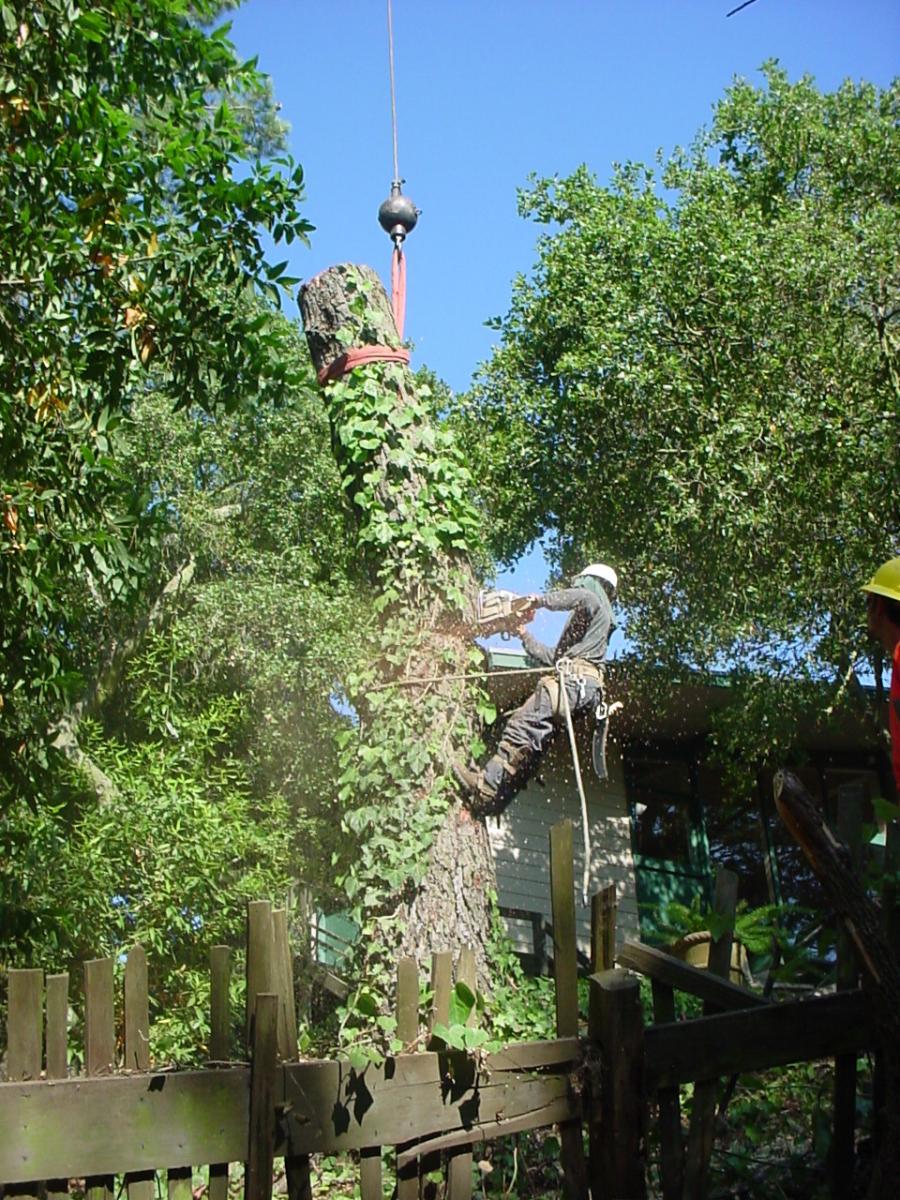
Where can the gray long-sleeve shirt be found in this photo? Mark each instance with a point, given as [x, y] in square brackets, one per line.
[586, 633]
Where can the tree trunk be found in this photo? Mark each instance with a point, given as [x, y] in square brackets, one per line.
[415, 528]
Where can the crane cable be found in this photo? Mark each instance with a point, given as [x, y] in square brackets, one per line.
[390, 25]
[397, 215]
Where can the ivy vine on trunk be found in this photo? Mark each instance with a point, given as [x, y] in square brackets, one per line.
[423, 878]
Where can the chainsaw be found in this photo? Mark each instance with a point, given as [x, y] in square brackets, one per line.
[499, 611]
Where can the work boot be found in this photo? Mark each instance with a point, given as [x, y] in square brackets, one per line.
[474, 782]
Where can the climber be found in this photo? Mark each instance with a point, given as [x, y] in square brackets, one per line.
[578, 658]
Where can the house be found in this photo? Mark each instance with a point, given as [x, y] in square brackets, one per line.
[664, 821]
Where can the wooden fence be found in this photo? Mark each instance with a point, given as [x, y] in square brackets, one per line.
[124, 1118]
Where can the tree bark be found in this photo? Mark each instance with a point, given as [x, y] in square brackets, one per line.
[860, 917]
[390, 458]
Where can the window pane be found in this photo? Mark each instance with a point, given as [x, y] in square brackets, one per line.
[660, 792]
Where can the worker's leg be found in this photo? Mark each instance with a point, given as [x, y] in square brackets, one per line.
[524, 737]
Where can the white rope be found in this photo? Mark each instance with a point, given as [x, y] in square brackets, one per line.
[564, 669]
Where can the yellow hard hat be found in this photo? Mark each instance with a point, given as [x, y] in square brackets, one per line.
[886, 580]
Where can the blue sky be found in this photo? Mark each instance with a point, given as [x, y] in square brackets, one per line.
[491, 91]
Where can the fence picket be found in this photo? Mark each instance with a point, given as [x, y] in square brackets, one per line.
[99, 1045]
[25, 1024]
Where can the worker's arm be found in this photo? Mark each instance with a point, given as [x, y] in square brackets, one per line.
[568, 598]
[535, 649]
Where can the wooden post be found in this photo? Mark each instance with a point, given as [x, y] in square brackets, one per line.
[219, 1042]
[459, 1163]
[263, 1067]
[565, 972]
[703, 1114]
[617, 1110]
[99, 1044]
[849, 829]
[57, 1039]
[671, 1142]
[407, 1033]
[141, 1185]
[604, 907]
[260, 955]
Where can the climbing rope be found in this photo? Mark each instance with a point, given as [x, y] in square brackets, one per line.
[419, 679]
[566, 669]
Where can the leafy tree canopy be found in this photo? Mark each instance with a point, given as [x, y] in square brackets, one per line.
[700, 382]
[130, 233]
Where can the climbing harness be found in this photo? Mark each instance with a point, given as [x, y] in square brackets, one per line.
[397, 215]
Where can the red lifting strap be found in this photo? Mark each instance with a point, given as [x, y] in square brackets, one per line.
[359, 357]
[369, 354]
[398, 288]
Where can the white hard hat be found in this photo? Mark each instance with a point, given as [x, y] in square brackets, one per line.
[602, 571]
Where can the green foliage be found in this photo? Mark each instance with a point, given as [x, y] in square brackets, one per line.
[131, 249]
[700, 382]
[169, 862]
[754, 928]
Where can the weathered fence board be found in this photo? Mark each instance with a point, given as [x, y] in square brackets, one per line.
[190, 1117]
[648, 960]
[333, 1109]
[25, 1036]
[754, 1040]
